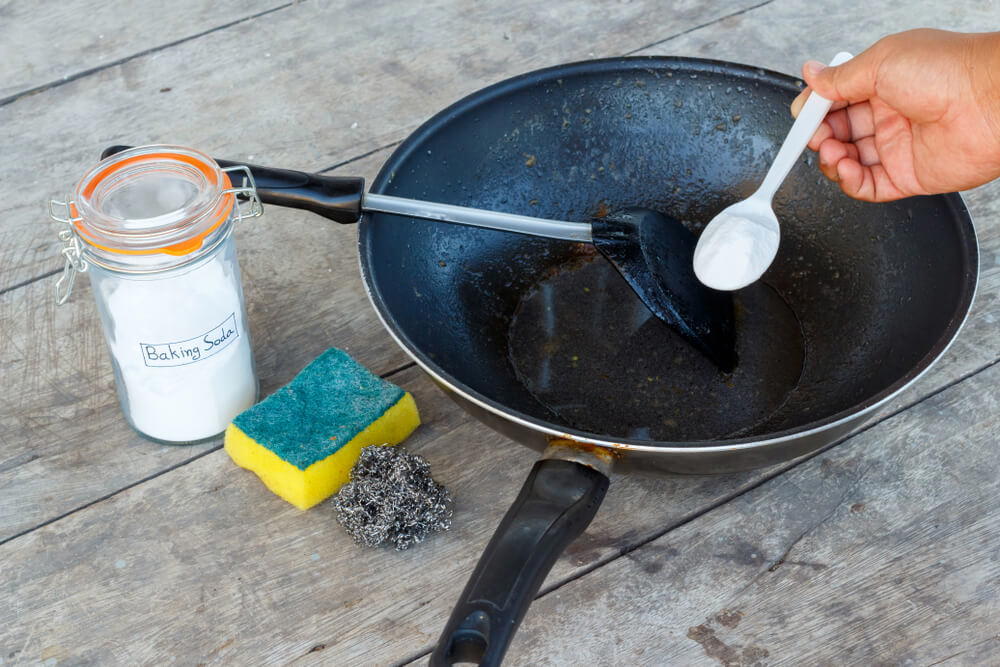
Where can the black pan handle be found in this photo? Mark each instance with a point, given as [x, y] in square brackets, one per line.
[555, 505]
[335, 197]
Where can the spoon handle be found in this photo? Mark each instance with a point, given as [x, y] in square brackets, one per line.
[812, 114]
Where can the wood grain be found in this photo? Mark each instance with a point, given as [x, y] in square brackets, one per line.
[204, 564]
[882, 551]
[201, 563]
[43, 44]
[172, 554]
[305, 87]
[783, 35]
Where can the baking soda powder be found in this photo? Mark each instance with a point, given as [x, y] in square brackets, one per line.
[181, 349]
[733, 251]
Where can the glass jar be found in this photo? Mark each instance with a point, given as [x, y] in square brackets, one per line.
[153, 227]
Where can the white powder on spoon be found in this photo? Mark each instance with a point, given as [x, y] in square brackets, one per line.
[733, 252]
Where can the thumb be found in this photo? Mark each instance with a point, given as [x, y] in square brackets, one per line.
[854, 81]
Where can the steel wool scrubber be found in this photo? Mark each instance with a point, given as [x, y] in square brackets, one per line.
[392, 498]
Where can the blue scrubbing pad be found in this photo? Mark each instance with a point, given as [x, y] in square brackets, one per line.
[303, 439]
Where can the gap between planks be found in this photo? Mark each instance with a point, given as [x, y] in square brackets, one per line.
[660, 42]
[10, 99]
[171, 468]
[29, 281]
[729, 498]
[252, 17]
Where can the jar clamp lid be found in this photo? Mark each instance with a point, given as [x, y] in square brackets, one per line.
[149, 209]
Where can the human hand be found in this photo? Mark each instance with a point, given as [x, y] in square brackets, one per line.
[917, 113]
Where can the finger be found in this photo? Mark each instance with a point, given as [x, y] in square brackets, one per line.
[852, 123]
[797, 103]
[828, 162]
[851, 176]
[867, 152]
[885, 189]
[861, 118]
[867, 183]
[833, 151]
[854, 81]
[796, 106]
[840, 124]
[823, 132]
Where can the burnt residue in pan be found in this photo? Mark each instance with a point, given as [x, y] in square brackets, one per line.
[587, 348]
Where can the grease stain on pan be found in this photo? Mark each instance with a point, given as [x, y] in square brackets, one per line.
[584, 345]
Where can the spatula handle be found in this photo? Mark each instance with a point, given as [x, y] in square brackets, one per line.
[336, 198]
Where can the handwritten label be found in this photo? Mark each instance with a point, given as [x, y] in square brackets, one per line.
[184, 352]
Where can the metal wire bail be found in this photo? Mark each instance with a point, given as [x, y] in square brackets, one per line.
[71, 250]
[247, 190]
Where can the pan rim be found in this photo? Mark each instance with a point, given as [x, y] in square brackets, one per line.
[954, 201]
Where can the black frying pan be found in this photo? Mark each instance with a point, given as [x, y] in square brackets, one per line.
[543, 341]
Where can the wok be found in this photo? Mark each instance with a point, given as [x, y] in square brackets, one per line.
[540, 340]
[544, 341]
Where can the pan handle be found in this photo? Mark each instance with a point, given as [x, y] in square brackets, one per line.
[556, 503]
[335, 197]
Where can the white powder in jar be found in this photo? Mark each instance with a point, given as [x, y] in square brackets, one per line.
[181, 348]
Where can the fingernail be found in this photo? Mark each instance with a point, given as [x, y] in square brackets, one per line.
[814, 67]
[797, 103]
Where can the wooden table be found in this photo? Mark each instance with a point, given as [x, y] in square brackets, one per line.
[882, 549]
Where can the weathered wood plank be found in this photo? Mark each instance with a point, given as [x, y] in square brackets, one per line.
[407, 616]
[63, 439]
[771, 36]
[171, 554]
[882, 551]
[973, 654]
[204, 556]
[43, 43]
[310, 85]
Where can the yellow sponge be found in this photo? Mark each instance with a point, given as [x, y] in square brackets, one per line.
[303, 439]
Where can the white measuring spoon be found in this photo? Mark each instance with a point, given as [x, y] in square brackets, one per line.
[740, 243]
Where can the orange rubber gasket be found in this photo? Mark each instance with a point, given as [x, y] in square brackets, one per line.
[184, 247]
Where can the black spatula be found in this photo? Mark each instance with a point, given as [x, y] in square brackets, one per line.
[653, 252]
